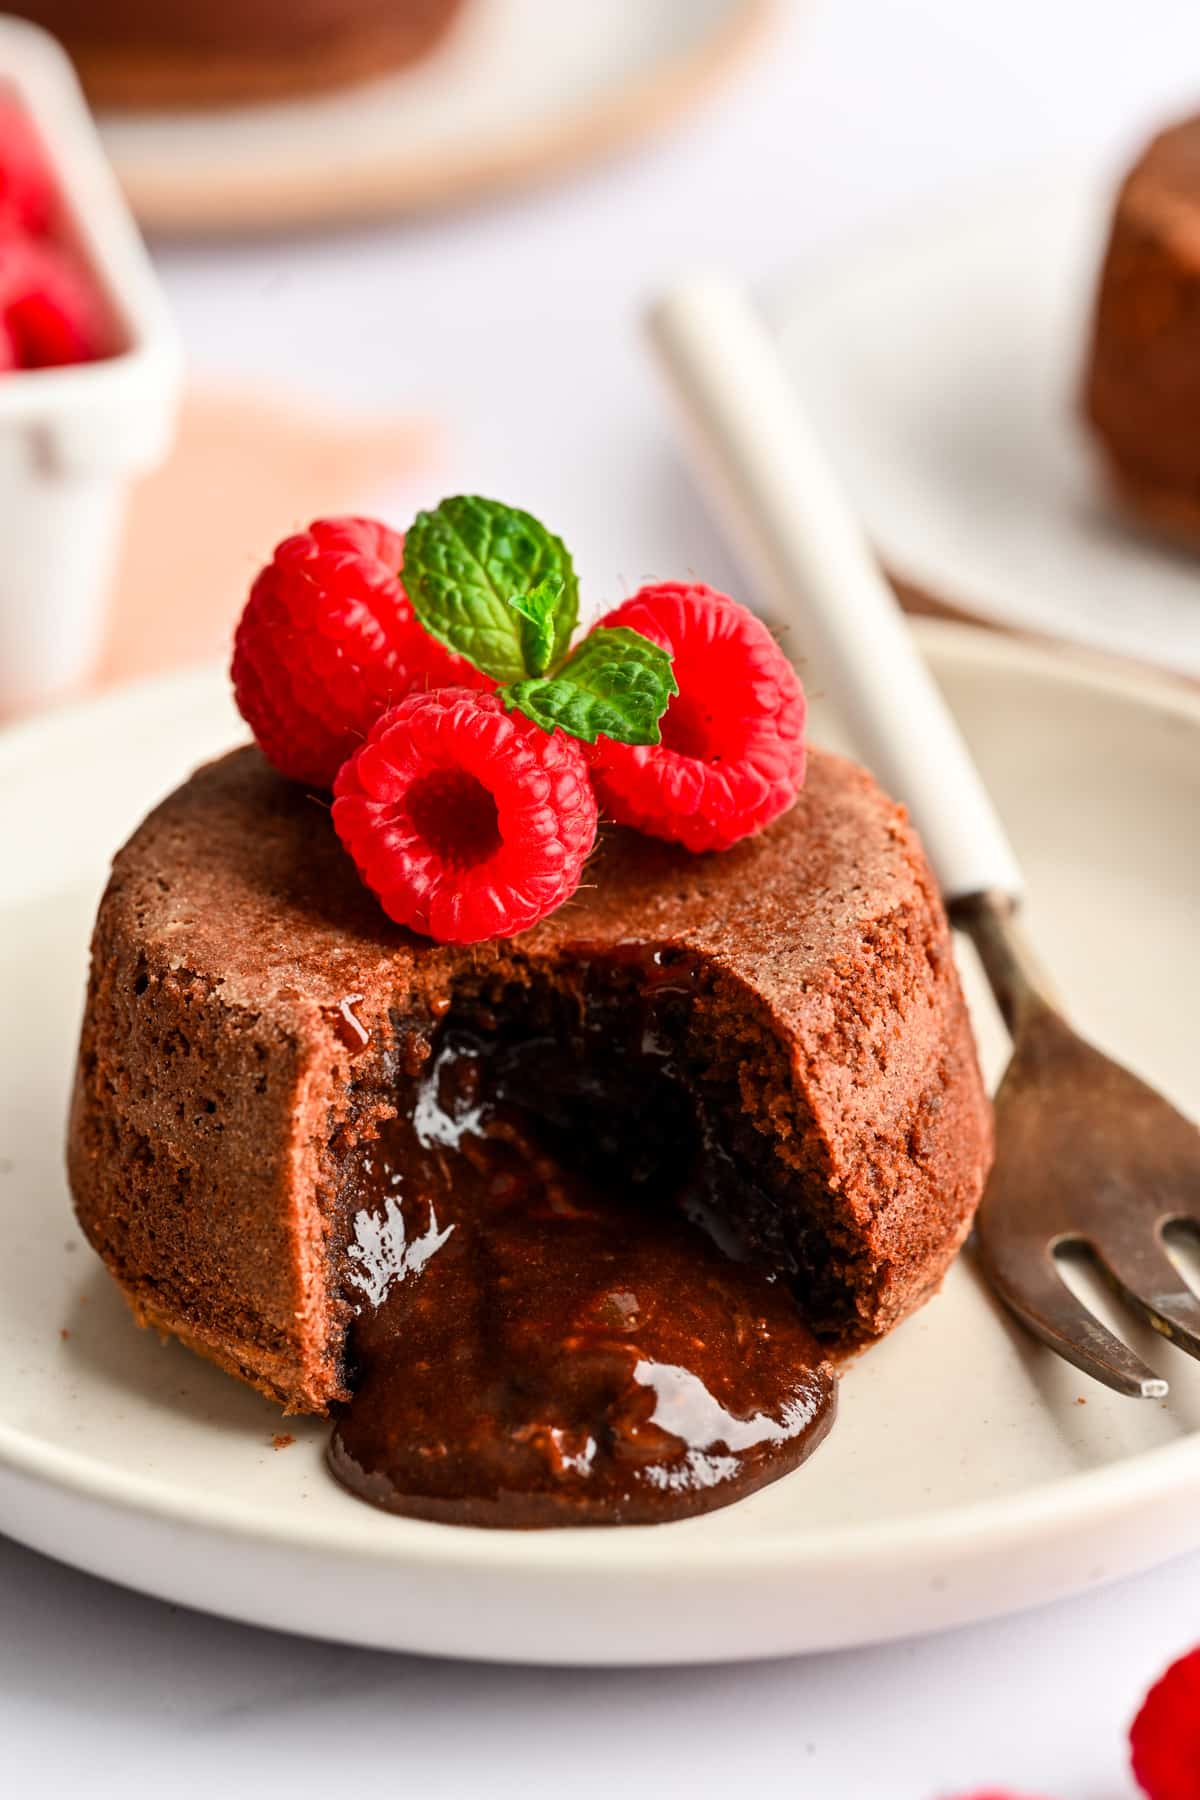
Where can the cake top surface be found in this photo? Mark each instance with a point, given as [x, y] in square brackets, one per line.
[239, 878]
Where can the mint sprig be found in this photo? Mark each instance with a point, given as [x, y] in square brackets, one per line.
[469, 567]
[493, 585]
[617, 684]
[537, 611]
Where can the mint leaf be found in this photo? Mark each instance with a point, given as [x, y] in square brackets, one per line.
[537, 610]
[617, 684]
[465, 564]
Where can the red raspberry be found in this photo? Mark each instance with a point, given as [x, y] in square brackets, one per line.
[468, 822]
[1165, 1737]
[732, 751]
[26, 185]
[327, 642]
[50, 310]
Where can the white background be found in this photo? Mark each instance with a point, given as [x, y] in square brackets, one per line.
[514, 328]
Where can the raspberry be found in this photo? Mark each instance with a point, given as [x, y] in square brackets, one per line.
[1165, 1737]
[26, 184]
[327, 642]
[732, 752]
[49, 308]
[468, 822]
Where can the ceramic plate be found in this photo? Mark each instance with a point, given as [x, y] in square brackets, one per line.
[969, 1473]
[520, 90]
[942, 369]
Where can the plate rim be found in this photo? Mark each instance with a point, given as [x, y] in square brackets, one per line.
[975, 1530]
[266, 197]
[803, 297]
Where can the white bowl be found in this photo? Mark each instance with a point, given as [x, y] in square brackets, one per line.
[72, 439]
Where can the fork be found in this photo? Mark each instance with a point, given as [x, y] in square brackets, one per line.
[1087, 1155]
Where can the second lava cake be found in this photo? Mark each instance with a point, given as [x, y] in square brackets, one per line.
[1142, 383]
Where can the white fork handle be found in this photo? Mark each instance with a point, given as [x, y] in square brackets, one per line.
[794, 528]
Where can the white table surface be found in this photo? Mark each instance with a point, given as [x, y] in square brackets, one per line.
[514, 328]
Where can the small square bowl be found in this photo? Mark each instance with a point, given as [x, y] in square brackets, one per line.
[73, 439]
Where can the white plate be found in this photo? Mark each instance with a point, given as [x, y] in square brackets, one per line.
[963, 1477]
[520, 90]
[942, 369]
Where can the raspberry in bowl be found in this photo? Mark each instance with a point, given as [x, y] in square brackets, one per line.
[52, 313]
[557, 1159]
[89, 371]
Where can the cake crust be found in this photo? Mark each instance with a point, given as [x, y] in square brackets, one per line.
[250, 1009]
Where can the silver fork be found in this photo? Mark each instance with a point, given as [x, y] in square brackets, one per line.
[1086, 1153]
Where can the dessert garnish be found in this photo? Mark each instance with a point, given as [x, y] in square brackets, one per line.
[467, 821]
[327, 642]
[493, 584]
[433, 680]
[732, 752]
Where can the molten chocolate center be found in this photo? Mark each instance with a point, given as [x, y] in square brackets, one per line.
[546, 1332]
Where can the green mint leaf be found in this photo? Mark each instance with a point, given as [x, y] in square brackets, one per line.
[464, 565]
[538, 609]
[617, 684]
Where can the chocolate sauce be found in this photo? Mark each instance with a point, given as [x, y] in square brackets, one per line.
[544, 1334]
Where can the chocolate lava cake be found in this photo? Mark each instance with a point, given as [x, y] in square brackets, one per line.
[1142, 387]
[772, 1037]
[195, 53]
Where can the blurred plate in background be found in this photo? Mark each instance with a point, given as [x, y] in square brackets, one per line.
[942, 367]
[521, 91]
